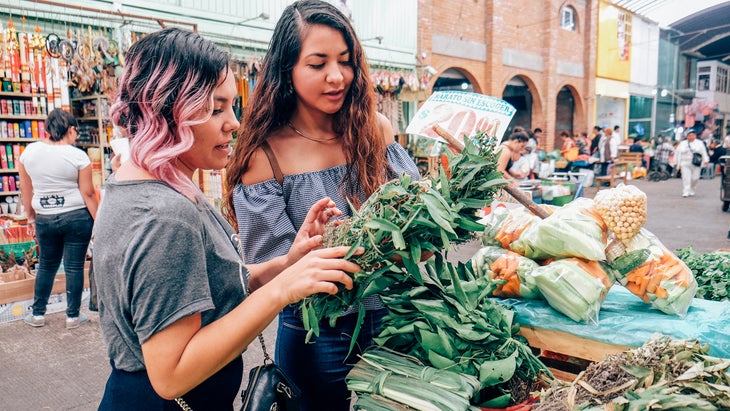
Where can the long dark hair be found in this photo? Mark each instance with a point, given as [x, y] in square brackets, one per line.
[273, 102]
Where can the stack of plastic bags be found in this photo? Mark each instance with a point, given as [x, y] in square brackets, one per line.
[564, 257]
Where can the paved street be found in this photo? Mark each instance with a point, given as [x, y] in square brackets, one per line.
[51, 368]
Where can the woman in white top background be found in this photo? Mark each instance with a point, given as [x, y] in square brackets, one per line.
[60, 202]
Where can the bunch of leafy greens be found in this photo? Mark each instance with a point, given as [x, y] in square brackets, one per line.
[403, 220]
[450, 323]
[712, 272]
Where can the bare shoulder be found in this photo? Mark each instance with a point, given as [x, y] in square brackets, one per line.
[259, 169]
[386, 128]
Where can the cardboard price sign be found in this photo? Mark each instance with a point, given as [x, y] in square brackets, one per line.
[461, 113]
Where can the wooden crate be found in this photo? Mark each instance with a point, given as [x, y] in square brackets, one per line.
[22, 290]
[574, 353]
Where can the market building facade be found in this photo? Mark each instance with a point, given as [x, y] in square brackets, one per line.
[539, 56]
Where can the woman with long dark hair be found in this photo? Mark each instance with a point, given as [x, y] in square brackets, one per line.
[311, 130]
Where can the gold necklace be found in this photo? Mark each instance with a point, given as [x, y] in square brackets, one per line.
[318, 140]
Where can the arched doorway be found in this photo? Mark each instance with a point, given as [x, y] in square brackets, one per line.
[517, 93]
[564, 113]
[453, 79]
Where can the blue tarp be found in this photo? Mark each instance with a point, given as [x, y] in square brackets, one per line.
[625, 319]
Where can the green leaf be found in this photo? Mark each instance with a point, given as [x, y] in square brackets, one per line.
[412, 267]
[498, 371]
[498, 402]
[458, 291]
[444, 184]
[440, 361]
[305, 314]
[437, 212]
[356, 332]
[313, 321]
[469, 225]
[415, 250]
[352, 250]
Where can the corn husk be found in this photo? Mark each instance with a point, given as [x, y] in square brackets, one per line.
[403, 380]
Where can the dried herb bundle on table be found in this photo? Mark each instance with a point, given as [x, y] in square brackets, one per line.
[403, 220]
[663, 374]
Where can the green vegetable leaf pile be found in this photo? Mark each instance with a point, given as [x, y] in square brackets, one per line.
[405, 219]
[450, 323]
[712, 272]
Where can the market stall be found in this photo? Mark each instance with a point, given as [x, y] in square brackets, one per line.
[575, 282]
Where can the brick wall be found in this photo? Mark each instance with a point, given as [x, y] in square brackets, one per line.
[521, 38]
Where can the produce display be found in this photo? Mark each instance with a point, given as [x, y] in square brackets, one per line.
[663, 374]
[712, 272]
[446, 344]
[578, 231]
[403, 221]
[575, 287]
[662, 279]
[450, 323]
[504, 226]
[623, 209]
[574, 230]
[386, 379]
[514, 270]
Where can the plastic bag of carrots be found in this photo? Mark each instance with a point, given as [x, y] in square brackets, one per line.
[575, 287]
[505, 225]
[513, 272]
[662, 280]
[574, 230]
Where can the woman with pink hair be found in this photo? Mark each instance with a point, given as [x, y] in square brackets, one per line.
[174, 307]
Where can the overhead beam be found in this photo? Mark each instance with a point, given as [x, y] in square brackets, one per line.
[708, 42]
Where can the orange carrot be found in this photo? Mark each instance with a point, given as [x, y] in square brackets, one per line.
[654, 283]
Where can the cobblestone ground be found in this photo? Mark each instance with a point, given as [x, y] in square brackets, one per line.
[51, 368]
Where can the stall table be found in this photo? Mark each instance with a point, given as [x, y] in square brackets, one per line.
[625, 322]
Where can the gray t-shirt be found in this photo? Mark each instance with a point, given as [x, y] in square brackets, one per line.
[159, 257]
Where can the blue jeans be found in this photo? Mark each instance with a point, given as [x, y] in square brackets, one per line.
[61, 236]
[319, 368]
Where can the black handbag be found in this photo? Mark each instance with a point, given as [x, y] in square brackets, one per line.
[269, 388]
[696, 159]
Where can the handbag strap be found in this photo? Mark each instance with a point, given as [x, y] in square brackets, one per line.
[267, 359]
[239, 247]
[184, 405]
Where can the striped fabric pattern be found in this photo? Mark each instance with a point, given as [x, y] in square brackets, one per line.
[270, 214]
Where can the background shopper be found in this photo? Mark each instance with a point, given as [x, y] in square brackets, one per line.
[171, 281]
[313, 109]
[60, 202]
[684, 152]
[510, 153]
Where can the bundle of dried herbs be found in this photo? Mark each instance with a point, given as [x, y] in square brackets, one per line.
[663, 374]
[403, 220]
